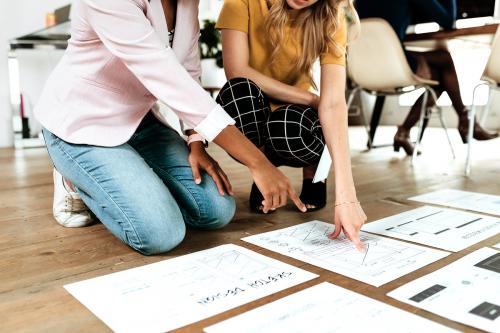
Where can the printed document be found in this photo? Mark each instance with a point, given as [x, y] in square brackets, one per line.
[467, 290]
[447, 229]
[327, 308]
[382, 261]
[479, 202]
[173, 293]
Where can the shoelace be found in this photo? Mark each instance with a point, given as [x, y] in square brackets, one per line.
[74, 205]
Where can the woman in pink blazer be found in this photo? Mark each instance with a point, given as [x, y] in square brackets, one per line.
[135, 174]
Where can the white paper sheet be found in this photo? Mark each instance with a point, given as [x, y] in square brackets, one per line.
[447, 229]
[324, 165]
[176, 292]
[467, 290]
[327, 308]
[479, 202]
[382, 261]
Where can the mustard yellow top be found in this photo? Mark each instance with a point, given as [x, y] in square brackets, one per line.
[249, 16]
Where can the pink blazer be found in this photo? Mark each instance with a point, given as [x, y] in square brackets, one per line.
[118, 64]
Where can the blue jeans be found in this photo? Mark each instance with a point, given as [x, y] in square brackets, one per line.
[143, 191]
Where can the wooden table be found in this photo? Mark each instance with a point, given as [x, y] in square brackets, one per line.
[488, 29]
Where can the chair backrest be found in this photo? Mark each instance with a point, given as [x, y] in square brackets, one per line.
[492, 70]
[376, 60]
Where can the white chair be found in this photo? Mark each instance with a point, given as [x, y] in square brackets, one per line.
[377, 65]
[490, 78]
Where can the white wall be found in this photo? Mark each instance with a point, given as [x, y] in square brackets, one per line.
[16, 19]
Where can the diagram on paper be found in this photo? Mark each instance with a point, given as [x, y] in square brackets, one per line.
[235, 264]
[466, 290]
[330, 309]
[185, 289]
[448, 229]
[479, 202]
[382, 261]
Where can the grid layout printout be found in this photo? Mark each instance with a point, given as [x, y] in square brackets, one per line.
[382, 261]
[173, 293]
[479, 202]
[327, 308]
[447, 229]
[467, 290]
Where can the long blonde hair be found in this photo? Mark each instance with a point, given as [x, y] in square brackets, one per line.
[319, 24]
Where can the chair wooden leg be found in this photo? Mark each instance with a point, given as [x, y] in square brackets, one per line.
[420, 125]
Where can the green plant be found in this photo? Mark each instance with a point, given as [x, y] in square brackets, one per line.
[210, 44]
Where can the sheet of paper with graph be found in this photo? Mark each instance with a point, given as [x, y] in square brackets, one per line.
[447, 229]
[467, 290]
[326, 308]
[173, 293]
[479, 202]
[382, 261]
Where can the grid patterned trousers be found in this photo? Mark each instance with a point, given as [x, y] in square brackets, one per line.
[291, 135]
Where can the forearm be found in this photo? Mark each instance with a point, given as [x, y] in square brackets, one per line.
[334, 123]
[239, 147]
[273, 88]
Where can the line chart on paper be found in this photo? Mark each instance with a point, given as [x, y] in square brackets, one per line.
[382, 260]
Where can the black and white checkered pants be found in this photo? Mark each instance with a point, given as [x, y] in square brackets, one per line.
[291, 134]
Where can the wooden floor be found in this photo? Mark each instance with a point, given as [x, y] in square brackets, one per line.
[38, 256]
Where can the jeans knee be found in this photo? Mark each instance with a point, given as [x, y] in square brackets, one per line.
[216, 213]
[161, 240]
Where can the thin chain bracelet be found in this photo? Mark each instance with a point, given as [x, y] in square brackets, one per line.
[346, 202]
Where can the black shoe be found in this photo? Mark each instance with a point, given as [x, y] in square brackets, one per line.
[313, 195]
[255, 201]
[480, 133]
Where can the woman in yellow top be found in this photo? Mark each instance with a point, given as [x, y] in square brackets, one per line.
[269, 47]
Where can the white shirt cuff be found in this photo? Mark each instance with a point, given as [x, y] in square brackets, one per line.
[214, 123]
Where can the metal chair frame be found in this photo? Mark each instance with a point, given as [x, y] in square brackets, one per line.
[425, 112]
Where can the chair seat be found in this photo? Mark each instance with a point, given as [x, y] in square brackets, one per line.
[490, 80]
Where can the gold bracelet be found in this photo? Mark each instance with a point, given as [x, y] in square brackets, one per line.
[347, 202]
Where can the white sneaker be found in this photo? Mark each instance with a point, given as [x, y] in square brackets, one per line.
[69, 209]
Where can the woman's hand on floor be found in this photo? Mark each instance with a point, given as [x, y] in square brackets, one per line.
[275, 187]
[200, 160]
[349, 218]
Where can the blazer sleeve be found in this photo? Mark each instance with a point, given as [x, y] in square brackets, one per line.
[124, 29]
[192, 62]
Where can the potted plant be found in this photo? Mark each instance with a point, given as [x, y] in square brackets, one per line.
[211, 56]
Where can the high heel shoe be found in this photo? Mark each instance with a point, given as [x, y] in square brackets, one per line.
[313, 195]
[402, 140]
[480, 133]
[255, 201]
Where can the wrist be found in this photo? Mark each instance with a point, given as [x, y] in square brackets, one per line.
[346, 194]
[196, 146]
[196, 138]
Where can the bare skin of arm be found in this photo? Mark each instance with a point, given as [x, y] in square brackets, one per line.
[236, 64]
[272, 183]
[349, 216]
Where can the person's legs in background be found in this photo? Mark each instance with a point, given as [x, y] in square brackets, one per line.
[442, 69]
